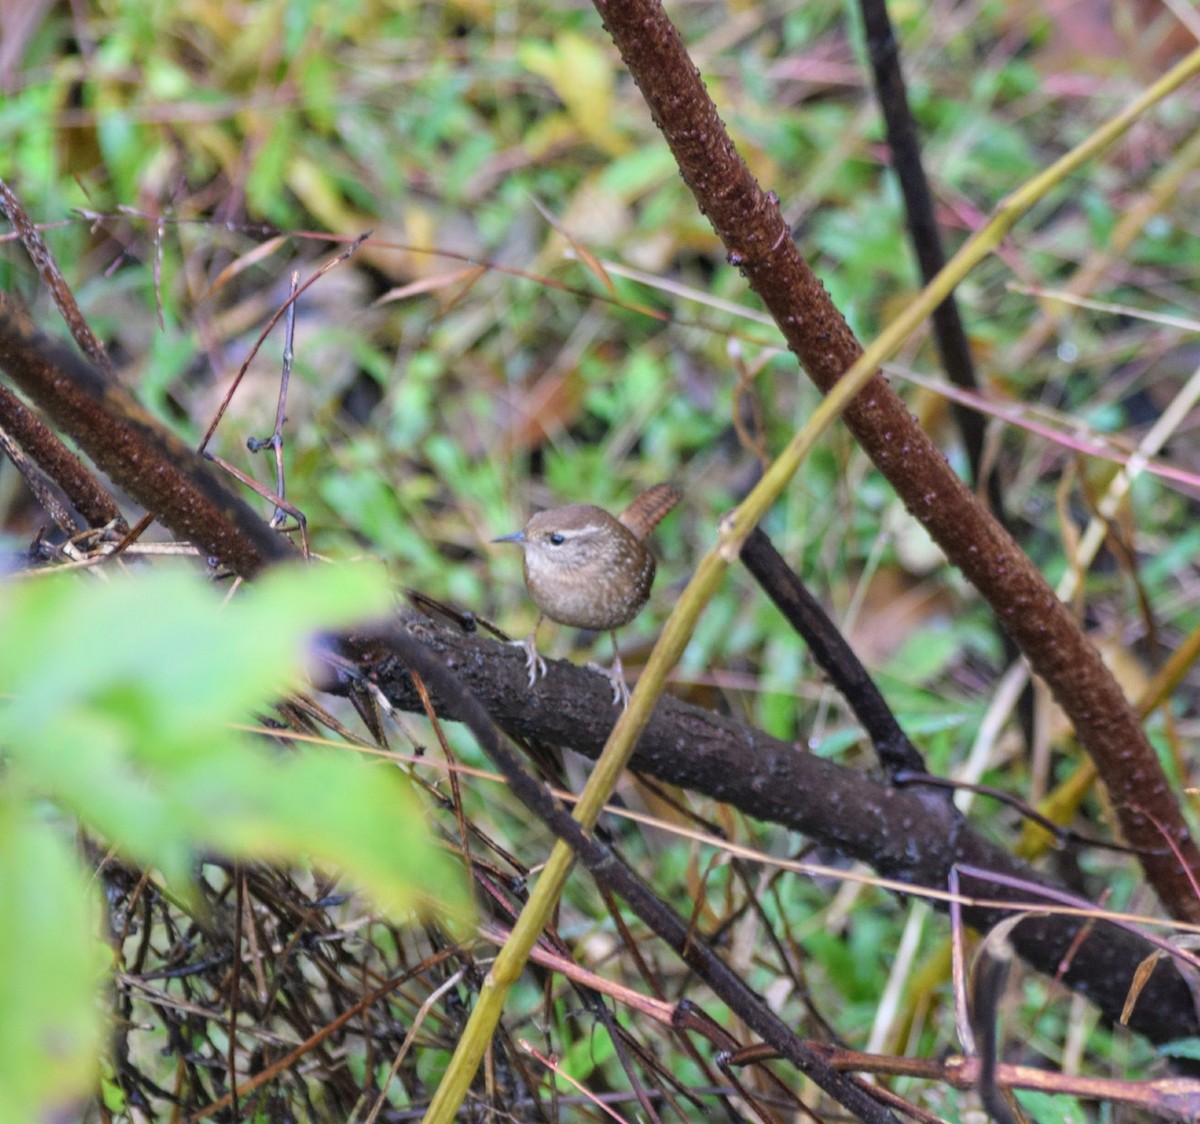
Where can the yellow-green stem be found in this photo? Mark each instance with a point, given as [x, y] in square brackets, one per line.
[733, 531]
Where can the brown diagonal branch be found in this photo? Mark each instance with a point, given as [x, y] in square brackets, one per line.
[154, 466]
[44, 449]
[750, 225]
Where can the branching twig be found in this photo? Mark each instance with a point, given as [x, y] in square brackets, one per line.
[908, 834]
[726, 983]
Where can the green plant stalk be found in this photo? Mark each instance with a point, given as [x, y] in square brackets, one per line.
[732, 532]
[668, 649]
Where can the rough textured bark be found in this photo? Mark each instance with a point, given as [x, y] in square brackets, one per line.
[44, 448]
[133, 449]
[758, 241]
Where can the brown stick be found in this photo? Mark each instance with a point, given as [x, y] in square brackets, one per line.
[750, 225]
[124, 441]
[46, 450]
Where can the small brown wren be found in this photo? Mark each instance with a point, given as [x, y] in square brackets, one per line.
[586, 569]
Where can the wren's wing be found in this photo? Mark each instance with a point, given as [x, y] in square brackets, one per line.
[647, 511]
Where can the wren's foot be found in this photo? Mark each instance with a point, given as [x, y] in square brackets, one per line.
[616, 676]
[534, 664]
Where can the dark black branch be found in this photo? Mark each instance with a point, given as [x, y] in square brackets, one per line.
[829, 648]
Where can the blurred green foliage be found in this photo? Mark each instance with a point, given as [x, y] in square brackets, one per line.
[137, 737]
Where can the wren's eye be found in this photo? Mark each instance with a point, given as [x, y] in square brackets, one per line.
[557, 540]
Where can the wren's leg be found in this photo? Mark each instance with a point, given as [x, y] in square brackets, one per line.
[615, 675]
[534, 664]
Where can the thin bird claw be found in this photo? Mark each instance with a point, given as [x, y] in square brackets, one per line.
[534, 664]
[616, 676]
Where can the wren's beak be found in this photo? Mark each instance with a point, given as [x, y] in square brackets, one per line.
[516, 536]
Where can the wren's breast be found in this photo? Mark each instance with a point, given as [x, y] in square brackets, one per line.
[602, 595]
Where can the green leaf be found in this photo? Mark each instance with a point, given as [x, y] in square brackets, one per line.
[167, 639]
[124, 701]
[1051, 1108]
[269, 171]
[50, 968]
[581, 73]
[1182, 1048]
[924, 655]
